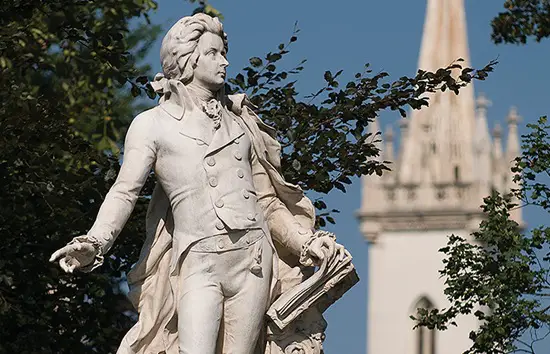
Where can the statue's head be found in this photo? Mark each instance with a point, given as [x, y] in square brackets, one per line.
[194, 50]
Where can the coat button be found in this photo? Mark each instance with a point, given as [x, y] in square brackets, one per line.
[213, 181]
[220, 244]
[238, 155]
[210, 161]
[251, 217]
[246, 195]
[256, 269]
[219, 225]
[303, 231]
[219, 203]
[240, 173]
[237, 141]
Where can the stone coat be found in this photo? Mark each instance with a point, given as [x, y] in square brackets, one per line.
[239, 169]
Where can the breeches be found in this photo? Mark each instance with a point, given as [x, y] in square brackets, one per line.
[224, 295]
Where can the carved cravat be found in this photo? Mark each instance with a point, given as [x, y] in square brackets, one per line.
[213, 109]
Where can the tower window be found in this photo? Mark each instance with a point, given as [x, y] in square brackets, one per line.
[457, 173]
[424, 337]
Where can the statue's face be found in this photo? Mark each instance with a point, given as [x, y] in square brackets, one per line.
[210, 70]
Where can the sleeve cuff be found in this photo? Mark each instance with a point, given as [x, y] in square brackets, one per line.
[99, 258]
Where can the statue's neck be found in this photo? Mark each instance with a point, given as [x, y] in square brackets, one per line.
[199, 93]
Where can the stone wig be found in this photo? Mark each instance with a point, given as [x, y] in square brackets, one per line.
[180, 45]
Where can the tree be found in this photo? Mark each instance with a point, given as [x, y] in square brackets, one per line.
[325, 144]
[63, 66]
[503, 277]
[67, 67]
[521, 20]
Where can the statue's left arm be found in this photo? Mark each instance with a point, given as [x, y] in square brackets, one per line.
[284, 227]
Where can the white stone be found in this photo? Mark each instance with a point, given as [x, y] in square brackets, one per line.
[209, 258]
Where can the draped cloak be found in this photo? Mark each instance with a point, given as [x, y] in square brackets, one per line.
[153, 288]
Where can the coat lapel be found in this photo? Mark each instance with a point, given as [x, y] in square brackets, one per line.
[195, 126]
[178, 104]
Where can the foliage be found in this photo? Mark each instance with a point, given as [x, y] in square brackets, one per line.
[504, 271]
[325, 144]
[205, 7]
[522, 20]
[63, 67]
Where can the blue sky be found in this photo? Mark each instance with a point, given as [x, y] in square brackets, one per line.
[346, 35]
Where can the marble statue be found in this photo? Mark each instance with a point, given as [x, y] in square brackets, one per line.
[226, 234]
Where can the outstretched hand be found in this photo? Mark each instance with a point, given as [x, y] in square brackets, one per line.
[74, 256]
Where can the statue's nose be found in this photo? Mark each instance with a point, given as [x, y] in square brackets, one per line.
[224, 63]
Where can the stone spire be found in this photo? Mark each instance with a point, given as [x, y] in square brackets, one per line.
[389, 155]
[446, 166]
[512, 144]
[403, 131]
[440, 136]
[388, 146]
[513, 150]
[443, 167]
[482, 148]
[497, 159]
[373, 185]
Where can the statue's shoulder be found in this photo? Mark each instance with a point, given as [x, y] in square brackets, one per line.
[152, 112]
[148, 117]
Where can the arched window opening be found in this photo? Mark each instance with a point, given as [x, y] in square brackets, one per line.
[424, 337]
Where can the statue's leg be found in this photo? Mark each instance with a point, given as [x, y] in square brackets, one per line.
[247, 296]
[200, 304]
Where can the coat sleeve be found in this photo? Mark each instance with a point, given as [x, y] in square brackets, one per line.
[284, 227]
[139, 156]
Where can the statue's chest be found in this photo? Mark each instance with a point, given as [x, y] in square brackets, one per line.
[188, 153]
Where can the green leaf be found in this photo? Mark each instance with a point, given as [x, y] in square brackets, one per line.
[256, 62]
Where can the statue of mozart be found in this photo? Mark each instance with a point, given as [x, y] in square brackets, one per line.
[226, 235]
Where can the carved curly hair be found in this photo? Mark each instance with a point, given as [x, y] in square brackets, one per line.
[180, 44]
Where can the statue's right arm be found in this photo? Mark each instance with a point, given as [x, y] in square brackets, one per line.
[140, 149]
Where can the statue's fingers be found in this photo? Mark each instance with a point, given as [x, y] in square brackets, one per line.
[63, 264]
[340, 250]
[61, 252]
[73, 264]
[317, 252]
[55, 256]
[348, 255]
[331, 244]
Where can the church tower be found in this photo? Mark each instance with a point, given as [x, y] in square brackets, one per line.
[447, 163]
